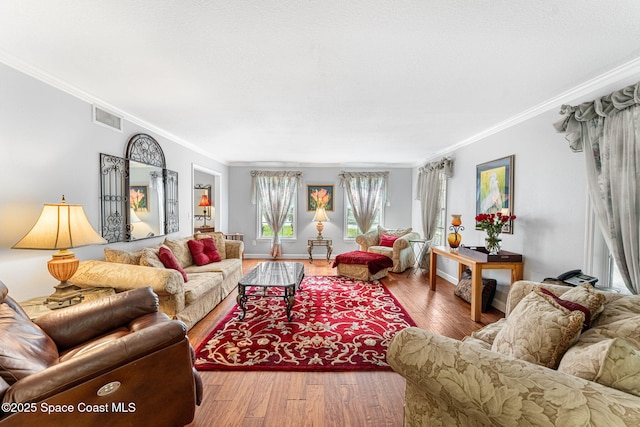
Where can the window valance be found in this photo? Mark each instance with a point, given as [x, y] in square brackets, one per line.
[601, 107]
[296, 175]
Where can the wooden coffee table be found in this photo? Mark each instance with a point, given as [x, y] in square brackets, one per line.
[269, 276]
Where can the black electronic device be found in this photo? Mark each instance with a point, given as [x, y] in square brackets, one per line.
[576, 278]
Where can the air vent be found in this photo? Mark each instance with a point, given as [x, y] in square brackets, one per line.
[105, 118]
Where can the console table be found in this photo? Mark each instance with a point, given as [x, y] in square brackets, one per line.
[476, 267]
[319, 242]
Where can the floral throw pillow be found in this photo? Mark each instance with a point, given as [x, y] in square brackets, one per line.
[539, 330]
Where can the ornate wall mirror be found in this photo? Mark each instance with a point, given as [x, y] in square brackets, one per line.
[202, 212]
[139, 196]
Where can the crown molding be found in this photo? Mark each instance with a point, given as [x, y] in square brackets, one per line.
[39, 74]
[624, 71]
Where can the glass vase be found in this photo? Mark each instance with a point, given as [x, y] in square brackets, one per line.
[493, 244]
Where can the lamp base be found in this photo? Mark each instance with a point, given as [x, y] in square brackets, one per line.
[319, 227]
[62, 266]
[66, 294]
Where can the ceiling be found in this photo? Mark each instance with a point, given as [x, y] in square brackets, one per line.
[335, 82]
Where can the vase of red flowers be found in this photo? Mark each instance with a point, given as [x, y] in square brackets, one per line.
[493, 224]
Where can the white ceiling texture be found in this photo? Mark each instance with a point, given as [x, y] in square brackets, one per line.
[334, 82]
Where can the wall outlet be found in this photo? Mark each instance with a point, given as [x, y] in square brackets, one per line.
[254, 243]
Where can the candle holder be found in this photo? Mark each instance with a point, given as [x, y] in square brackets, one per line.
[455, 238]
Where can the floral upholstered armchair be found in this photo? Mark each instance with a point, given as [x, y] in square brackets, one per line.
[543, 365]
[394, 243]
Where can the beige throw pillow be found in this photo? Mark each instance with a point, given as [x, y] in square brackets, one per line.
[122, 257]
[180, 250]
[396, 232]
[587, 296]
[150, 258]
[538, 330]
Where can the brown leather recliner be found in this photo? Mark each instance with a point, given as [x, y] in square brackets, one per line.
[113, 361]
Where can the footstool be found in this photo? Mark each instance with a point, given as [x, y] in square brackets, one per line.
[363, 265]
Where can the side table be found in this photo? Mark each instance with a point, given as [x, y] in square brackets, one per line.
[419, 256]
[36, 307]
[319, 242]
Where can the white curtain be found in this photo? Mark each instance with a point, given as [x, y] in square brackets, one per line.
[275, 190]
[366, 193]
[428, 191]
[608, 131]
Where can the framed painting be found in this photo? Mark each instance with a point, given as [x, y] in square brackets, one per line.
[494, 188]
[139, 198]
[320, 195]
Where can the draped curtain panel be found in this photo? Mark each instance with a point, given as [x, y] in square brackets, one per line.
[275, 190]
[366, 193]
[428, 190]
[608, 131]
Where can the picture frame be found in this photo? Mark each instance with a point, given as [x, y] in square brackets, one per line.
[324, 191]
[139, 198]
[494, 188]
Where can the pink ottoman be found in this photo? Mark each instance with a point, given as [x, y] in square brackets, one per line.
[363, 265]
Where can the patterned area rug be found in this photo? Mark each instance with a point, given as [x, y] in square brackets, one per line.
[338, 324]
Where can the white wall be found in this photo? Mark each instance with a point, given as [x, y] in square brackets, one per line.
[550, 194]
[244, 217]
[49, 146]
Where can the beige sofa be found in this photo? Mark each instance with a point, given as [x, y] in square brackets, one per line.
[400, 253]
[476, 382]
[206, 285]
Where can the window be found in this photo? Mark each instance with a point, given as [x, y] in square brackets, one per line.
[439, 237]
[599, 260]
[288, 230]
[351, 228]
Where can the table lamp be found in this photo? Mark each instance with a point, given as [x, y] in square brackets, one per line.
[204, 201]
[61, 226]
[320, 217]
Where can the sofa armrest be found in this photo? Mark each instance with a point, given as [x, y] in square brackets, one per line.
[147, 335]
[74, 325]
[460, 384]
[368, 239]
[234, 248]
[403, 242]
[123, 277]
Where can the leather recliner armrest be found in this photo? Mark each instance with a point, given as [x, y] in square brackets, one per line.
[75, 325]
[149, 334]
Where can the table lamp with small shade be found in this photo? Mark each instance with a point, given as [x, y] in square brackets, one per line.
[61, 226]
[320, 217]
[204, 202]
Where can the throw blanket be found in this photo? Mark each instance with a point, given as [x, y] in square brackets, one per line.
[374, 262]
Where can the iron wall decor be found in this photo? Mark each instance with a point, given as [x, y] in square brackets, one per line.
[142, 171]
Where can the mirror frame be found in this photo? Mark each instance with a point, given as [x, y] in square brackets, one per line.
[115, 174]
[203, 189]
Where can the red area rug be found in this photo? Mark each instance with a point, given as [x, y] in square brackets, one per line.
[338, 324]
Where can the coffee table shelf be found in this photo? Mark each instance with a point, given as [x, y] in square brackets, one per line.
[271, 276]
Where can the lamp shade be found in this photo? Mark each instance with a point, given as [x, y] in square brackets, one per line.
[321, 215]
[60, 226]
[204, 201]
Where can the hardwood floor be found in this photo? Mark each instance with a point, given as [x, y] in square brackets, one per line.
[264, 398]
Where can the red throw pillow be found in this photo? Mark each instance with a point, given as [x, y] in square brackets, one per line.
[203, 251]
[386, 240]
[573, 306]
[170, 261]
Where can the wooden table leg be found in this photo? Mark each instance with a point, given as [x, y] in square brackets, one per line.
[433, 257]
[476, 293]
